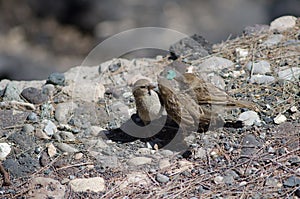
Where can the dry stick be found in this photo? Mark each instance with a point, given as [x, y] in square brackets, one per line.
[75, 165]
[6, 180]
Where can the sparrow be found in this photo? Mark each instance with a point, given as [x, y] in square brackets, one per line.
[188, 99]
[147, 100]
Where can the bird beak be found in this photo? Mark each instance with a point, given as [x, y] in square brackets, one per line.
[152, 86]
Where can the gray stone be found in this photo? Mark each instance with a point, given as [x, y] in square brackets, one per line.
[219, 180]
[56, 79]
[28, 128]
[200, 153]
[292, 181]
[249, 145]
[289, 74]
[249, 118]
[66, 148]
[137, 161]
[49, 127]
[12, 93]
[162, 178]
[283, 23]
[261, 67]
[32, 117]
[96, 184]
[48, 89]
[47, 110]
[214, 64]
[34, 95]
[280, 119]
[262, 79]
[272, 182]
[40, 188]
[273, 40]
[63, 111]
[166, 153]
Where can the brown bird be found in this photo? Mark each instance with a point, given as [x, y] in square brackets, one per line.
[188, 99]
[148, 103]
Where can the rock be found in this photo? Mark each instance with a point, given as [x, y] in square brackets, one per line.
[63, 111]
[272, 40]
[283, 23]
[260, 67]
[241, 54]
[122, 110]
[96, 184]
[86, 90]
[56, 79]
[47, 110]
[292, 181]
[32, 117]
[200, 153]
[137, 161]
[162, 178]
[12, 118]
[262, 79]
[219, 180]
[166, 153]
[249, 118]
[250, 145]
[289, 74]
[256, 29]
[114, 66]
[164, 163]
[51, 150]
[192, 48]
[41, 135]
[49, 127]
[48, 90]
[34, 95]
[11, 93]
[279, 119]
[67, 136]
[137, 178]
[4, 150]
[66, 148]
[293, 109]
[42, 188]
[143, 151]
[28, 128]
[214, 64]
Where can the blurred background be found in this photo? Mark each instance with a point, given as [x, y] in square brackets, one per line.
[38, 37]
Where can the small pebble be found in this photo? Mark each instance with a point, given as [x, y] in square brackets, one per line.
[50, 128]
[279, 119]
[66, 148]
[4, 150]
[162, 178]
[219, 180]
[32, 117]
[261, 67]
[28, 128]
[56, 79]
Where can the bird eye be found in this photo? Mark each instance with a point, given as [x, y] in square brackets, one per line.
[143, 86]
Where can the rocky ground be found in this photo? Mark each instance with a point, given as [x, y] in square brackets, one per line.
[64, 137]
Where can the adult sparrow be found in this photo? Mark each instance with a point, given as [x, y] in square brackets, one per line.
[148, 102]
[188, 99]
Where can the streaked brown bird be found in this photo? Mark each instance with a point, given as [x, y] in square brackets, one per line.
[148, 103]
[188, 99]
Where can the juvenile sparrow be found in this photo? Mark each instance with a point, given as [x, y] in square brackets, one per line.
[148, 103]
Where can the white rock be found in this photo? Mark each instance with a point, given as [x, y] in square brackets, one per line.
[200, 153]
[138, 178]
[96, 184]
[4, 150]
[283, 23]
[260, 67]
[66, 148]
[213, 64]
[241, 53]
[279, 119]
[289, 74]
[137, 161]
[262, 79]
[49, 128]
[164, 163]
[249, 118]
[293, 109]
[219, 180]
